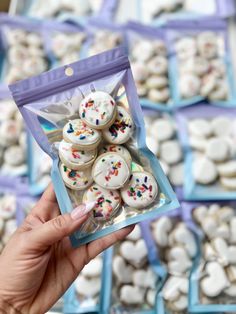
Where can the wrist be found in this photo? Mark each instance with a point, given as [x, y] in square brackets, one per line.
[7, 308]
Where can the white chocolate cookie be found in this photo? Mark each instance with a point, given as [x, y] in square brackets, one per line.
[200, 127]
[88, 287]
[171, 152]
[217, 149]
[111, 171]
[162, 130]
[122, 128]
[131, 295]
[98, 110]
[76, 179]
[222, 126]
[119, 149]
[80, 135]
[134, 253]
[228, 183]
[204, 171]
[177, 174]
[74, 158]
[140, 191]
[153, 145]
[107, 201]
[227, 169]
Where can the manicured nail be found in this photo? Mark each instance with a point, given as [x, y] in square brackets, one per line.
[82, 210]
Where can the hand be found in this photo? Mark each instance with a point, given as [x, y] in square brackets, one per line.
[38, 264]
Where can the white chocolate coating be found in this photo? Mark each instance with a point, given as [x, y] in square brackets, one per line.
[122, 128]
[74, 158]
[98, 109]
[76, 179]
[107, 201]
[111, 171]
[140, 191]
[119, 149]
[81, 135]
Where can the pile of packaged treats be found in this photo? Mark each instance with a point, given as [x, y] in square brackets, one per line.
[130, 105]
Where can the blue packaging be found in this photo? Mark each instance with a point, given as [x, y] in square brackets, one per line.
[48, 99]
[8, 114]
[111, 300]
[227, 303]
[178, 31]
[176, 216]
[75, 303]
[77, 10]
[192, 190]
[20, 61]
[138, 33]
[150, 117]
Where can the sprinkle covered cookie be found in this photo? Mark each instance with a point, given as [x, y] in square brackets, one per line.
[76, 179]
[80, 135]
[98, 110]
[119, 149]
[107, 201]
[74, 158]
[110, 171]
[121, 130]
[140, 191]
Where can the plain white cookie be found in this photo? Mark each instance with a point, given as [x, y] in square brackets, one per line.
[200, 127]
[227, 169]
[221, 126]
[171, 152]
[217, 149]
[198, 143]
[228, 183]
[176, 174]
[162, 130]
[152, 144]
[204, 171]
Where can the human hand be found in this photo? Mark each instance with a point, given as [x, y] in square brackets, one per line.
[38, 264]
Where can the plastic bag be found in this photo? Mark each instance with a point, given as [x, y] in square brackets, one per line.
[49, 101]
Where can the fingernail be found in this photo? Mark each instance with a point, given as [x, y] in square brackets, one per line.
[82, 210]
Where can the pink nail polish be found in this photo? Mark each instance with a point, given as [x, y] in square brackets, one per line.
[82, 210]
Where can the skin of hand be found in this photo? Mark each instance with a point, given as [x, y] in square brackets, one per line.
[38, 264]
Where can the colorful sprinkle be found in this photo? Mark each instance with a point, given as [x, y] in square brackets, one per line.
[70, 129]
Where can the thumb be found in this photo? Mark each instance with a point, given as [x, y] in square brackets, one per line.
[56, 229]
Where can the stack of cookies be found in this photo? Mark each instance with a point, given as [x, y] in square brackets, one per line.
[94, 160]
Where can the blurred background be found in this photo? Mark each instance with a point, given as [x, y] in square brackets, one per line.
[184, 66]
